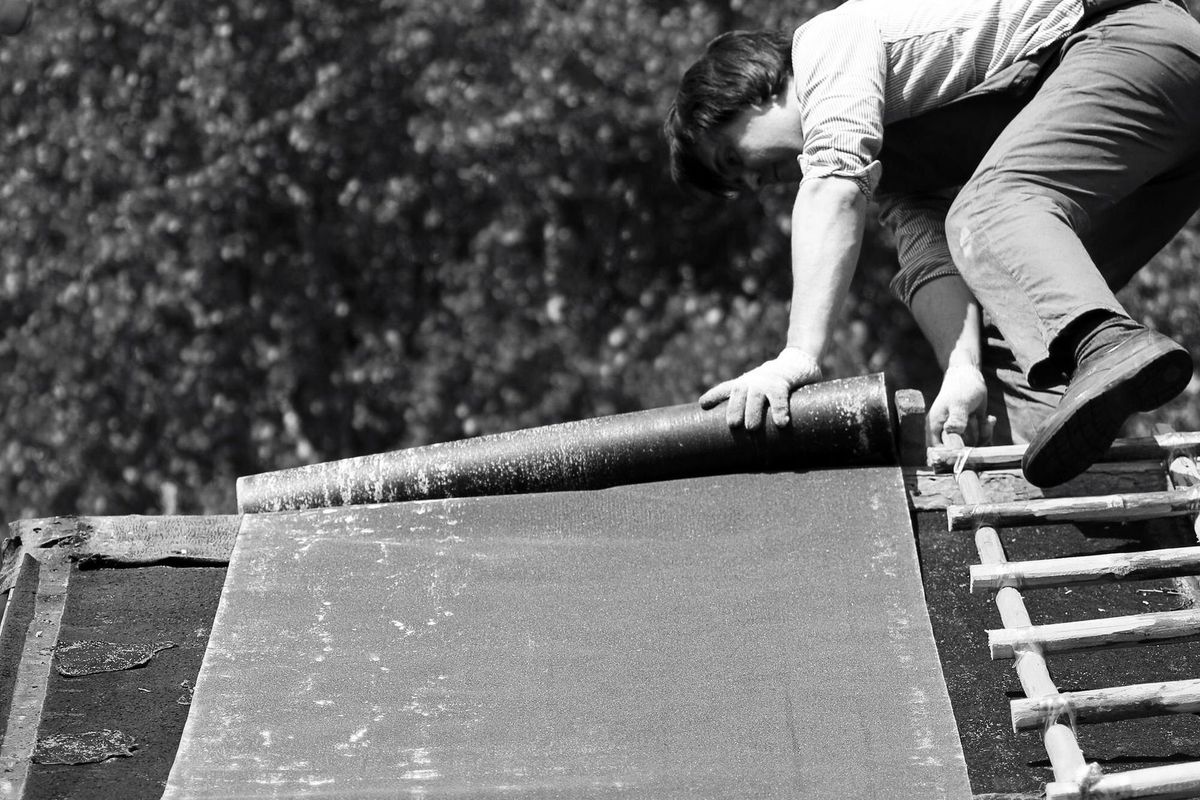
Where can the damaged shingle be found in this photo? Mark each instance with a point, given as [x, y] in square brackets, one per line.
[89, 747]
[91, 657]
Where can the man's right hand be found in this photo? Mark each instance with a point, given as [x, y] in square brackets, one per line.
[770, 384]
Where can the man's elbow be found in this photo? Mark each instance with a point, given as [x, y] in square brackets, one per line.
[834, 190]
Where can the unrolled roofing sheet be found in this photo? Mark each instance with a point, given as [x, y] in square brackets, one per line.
[739, 636]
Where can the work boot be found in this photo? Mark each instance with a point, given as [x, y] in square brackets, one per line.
[1139, 374]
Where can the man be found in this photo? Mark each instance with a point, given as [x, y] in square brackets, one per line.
[1076, 185]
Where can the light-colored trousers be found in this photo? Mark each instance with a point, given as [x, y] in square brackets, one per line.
[1085, 179]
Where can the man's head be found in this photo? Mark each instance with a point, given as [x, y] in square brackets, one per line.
[739, 73]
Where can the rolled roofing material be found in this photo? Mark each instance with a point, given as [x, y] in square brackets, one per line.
[732, 636]
[834, 423]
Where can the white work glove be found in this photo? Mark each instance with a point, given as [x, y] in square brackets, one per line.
[769, 384]
[960, 407]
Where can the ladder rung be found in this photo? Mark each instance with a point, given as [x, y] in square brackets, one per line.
[1166, 563]
[1102, 508]
[1170, 782]
[1162, 446]
[1105, 705]
[1087, 634]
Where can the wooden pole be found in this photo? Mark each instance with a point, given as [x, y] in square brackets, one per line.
[933, 491]
[1066, 759]
[1160, 447]
[1095, 633]
[32, 673]
[1166, 563]
[1185, 472]
[910, 427]
[1105, 508]
[1107, 705]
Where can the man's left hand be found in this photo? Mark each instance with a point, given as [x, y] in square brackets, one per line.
[961, 407]
[769, 384]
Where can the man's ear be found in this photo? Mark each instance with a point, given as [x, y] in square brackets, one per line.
[787, 95]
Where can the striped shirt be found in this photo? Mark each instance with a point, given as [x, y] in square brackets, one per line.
[868, 63]
[871, 62]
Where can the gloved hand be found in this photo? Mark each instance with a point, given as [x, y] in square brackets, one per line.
[769, 384]
[960, 407]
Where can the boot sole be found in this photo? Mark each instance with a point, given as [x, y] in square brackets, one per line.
[1077, 441]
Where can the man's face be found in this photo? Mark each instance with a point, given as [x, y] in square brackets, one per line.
[757, 147]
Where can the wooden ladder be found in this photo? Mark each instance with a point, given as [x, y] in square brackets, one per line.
[1028, 645]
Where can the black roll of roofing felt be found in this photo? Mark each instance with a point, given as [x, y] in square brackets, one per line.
[848, 422]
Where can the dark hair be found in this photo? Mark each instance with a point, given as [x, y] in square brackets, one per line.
[738, 69]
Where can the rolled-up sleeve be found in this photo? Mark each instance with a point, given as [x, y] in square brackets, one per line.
[840, 62]
[918, 223]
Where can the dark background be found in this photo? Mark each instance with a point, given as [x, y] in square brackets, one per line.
[248, 235]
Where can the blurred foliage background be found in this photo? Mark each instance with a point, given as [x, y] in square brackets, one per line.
[252, 234]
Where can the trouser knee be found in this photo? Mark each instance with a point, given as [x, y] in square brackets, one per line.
[1005, 211]
[962, 220]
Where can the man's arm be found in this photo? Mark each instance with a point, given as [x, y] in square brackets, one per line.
[827, 229]
[950, 318]
[945, 310]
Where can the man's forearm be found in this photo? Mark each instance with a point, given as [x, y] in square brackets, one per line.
[949, 316]
[827, 229]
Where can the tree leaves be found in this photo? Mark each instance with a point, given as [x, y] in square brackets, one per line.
[249, 235]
